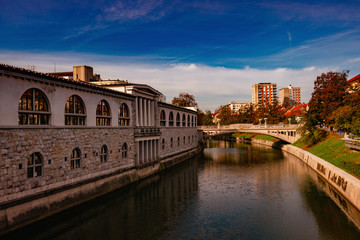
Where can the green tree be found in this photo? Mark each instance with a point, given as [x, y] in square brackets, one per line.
[208, 118]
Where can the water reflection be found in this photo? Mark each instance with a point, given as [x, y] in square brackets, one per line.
[231, 191]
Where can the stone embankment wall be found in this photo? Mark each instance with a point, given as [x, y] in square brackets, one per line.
[23, 199]
[344, 183]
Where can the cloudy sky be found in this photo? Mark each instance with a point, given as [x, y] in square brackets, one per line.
[215, 50]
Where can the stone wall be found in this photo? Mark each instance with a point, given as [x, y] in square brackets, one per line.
[55, 146]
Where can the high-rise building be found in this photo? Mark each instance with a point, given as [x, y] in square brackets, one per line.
[290, 95]
[264, 94]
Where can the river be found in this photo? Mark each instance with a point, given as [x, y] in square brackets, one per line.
[230, 191]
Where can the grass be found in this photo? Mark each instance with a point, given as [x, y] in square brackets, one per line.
[333, 150]
[266, 137]
[255, 136]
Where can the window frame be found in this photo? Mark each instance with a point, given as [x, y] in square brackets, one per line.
[73, 115]
[124, 119]
[162, 118]
[171, 119]
[178, 120]
[28, 108]
[103, 120]
[104, 154]
[75, 161]
[34, 168]
[124, 151]
[184, 120]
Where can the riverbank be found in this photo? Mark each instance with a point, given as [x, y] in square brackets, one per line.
[347, 185]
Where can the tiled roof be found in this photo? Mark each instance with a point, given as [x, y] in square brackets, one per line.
[354, 78]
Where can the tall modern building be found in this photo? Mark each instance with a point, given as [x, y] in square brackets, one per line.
[290, 95]
[264, 93]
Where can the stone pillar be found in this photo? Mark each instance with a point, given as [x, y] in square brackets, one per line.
[149, 113]
[157, 149]
[137, 111]
[140, 114]
[142, 152]
[137, 162]
[150, 150]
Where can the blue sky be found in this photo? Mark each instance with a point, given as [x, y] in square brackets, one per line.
[213, 49]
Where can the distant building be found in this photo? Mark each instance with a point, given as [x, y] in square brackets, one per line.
[290, 95]
[264, 93]
[354, 81]
[237, 107]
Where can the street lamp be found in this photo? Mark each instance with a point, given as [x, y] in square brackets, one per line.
[289, 120]
[265, 121]
[260, 121]
[218, 122]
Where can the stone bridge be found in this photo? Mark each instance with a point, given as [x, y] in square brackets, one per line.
[286, 132]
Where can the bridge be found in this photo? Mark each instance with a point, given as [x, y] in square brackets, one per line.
[284, 132]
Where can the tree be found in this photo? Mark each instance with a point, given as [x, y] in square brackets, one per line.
[329, 93]
[184, 100]
[208, 118]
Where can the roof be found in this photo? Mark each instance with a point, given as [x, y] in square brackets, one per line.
[357, 77]
[46, 76]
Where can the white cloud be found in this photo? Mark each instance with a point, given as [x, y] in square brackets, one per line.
[211, 86]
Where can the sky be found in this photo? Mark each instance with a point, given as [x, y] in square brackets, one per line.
[214, 50]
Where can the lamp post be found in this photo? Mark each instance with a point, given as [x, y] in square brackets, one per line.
[289, 120]
[265, 121]
[218, 122]
[260, 121]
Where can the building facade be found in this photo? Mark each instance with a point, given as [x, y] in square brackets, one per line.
[237, 107]
[290, 95]
[65, 141]
[264, 94]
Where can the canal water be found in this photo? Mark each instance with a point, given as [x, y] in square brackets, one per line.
[230, 191]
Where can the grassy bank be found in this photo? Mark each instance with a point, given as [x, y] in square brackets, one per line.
[255, 136]
[330, 148]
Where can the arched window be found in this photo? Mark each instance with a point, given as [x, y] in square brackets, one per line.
[124, 115]
[33, 108]
[162, 118]
[74, 111]
[163, 144]
[34, 165]
[178, 141]
[124, 149]
[188, 121]
[103, 114]
[171, 142]
[184, 140]
[195, 122]
[192, 121]
[75, 159]
[171, 119]
[178, 119]
[183, 120]
[103, 154]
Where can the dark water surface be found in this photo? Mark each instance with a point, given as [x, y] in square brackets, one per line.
[231, 191]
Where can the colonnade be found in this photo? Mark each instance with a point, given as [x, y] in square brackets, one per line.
[145, 112]
[147, 151]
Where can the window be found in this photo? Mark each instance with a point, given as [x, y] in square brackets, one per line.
[184, 140]
[163, 144]
[162, 118]
[188, 121]
[171, 142]
[74, 111]
[124, 116]
[34, 165]
[183, 120]
[103, 154]
[178, 119]
[195, 122]
[124, 150]
[171, 119]
[192, 121]
[178, 141]
[33, 108]
[103, 115]
[75, 159]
